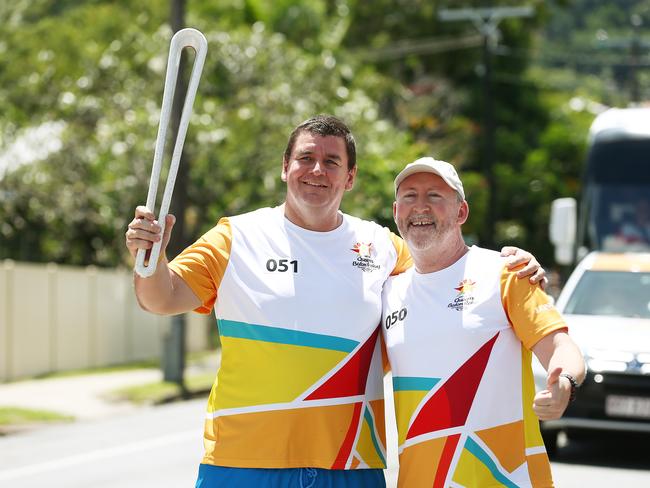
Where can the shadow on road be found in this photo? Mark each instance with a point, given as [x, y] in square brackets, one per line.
[612, 450]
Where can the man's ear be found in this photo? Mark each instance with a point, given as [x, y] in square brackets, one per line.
[463, 212]
[352, 174]
[395, 211]
[285, 168]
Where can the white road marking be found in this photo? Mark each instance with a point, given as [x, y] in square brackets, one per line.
[98, 455]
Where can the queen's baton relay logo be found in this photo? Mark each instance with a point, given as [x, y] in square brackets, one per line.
[364, 260]
[465, 297]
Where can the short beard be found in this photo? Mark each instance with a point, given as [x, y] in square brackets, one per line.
[437, 236]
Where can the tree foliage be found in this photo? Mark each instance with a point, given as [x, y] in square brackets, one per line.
[81, 84]
[101, 73]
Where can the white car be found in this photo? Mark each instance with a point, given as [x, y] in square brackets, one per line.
[606, 303]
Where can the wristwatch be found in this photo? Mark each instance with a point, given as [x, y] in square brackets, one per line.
[574, 385]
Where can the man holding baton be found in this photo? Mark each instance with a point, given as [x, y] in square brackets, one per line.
[296, 290]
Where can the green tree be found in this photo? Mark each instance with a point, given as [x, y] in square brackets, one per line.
[91, 72]
[100, 75]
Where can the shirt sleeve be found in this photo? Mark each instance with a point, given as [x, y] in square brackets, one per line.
[203, 264]
[404, 260]
[529, 309]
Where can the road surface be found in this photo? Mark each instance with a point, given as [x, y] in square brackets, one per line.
[162, 446]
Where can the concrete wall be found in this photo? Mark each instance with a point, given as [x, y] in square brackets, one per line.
[56, 318]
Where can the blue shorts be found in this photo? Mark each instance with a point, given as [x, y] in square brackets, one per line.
[218, 476]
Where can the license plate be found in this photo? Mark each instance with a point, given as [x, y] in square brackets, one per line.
[626, 406]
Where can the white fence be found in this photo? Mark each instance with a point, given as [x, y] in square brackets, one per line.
[56, 318]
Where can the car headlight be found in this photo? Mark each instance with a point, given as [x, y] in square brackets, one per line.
[600, 365]
[601, 360]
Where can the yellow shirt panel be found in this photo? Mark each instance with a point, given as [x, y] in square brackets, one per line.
[404, 260]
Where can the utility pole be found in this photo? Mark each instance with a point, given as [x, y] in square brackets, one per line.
[635, 53]
[173, 360]
[486, 21]
[634, 45]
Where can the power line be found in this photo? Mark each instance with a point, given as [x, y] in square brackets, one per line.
[581, 56]
[419, 46]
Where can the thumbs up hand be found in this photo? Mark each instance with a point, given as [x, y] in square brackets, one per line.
[549, 404]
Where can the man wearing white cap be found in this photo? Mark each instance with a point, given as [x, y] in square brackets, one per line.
[459, 330]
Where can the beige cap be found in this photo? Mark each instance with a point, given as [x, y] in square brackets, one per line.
[429, 165]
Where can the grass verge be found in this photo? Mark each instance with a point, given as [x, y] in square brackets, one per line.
[192, 357]
[12, 418]
[152, 364]
[164, 392]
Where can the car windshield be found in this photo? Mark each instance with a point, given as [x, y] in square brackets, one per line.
[620, 217]
[614, 293]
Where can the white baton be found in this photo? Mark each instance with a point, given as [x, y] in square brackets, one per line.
[182, 39]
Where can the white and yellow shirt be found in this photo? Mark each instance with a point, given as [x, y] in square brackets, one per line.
[300, 383]
[459, 343]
